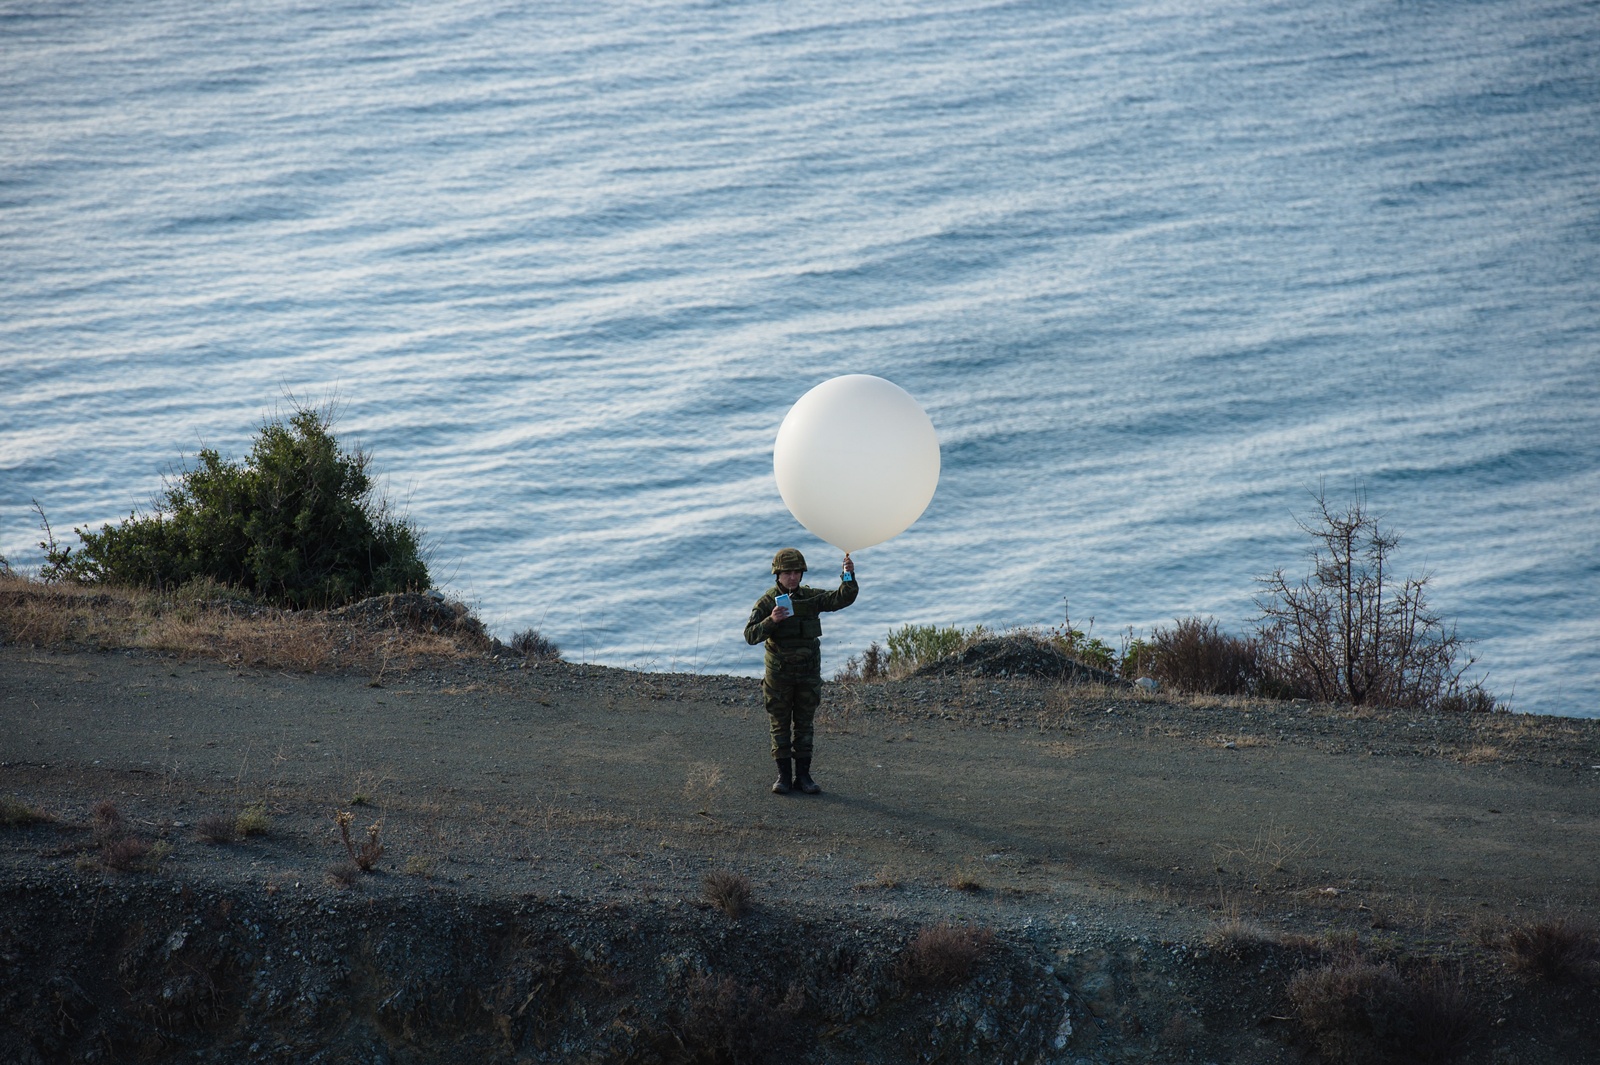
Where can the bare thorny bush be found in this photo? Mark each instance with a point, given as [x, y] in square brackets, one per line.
[1350, 631]
[365, 857]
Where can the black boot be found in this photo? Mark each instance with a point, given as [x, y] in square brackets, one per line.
[785, 782]
[802, 777]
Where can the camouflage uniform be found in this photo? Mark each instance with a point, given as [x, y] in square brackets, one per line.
[793, 684]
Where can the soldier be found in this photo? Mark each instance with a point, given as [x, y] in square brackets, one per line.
[793, 684]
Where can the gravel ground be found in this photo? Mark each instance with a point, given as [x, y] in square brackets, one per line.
[1153, 871]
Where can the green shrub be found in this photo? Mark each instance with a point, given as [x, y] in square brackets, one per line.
[295, 524]
[1080, 646]
[1138, 659]
[913, 646]
[252, 821]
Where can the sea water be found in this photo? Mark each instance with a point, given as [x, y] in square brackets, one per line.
[1158, 271]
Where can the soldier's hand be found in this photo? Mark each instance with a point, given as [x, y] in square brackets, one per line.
[777, 615]
[849, 563]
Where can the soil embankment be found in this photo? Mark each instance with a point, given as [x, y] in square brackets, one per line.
[1153, 873]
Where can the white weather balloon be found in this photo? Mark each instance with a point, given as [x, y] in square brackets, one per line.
[856, 460]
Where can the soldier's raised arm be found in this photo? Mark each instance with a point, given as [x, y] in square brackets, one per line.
[843, 595]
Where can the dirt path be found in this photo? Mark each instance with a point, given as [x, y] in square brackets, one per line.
[596, 781]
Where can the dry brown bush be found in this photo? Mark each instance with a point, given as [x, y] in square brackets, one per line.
[943, 954]
[728, 892]
[1557, 950]
[1351, 631]
[216, 828]
[1240, 941]
[106, 821]
[1195, 656]
[1442, 1015]
[125, 853]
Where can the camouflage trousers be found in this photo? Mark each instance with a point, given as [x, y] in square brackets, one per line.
[791, 704]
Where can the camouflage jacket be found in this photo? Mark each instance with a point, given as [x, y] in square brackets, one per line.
[794, 644]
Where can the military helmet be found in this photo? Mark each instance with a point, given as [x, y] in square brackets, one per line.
[787, 559]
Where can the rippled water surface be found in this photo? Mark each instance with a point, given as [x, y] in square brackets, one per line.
[1155, 270]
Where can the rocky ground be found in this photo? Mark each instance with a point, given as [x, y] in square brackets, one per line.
[1003, 867]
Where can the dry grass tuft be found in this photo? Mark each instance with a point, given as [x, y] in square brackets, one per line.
[728, 892]
[883, 880]
[962, 880]
[701, 785]
[14, 811]
[217, 828]
[1274, 848]
[1238, 742]
[1062, 748]
[943, 955]
[1487, 932]
[1240, 941]
[1442, 1017]
[106, 821]
[1557, 950]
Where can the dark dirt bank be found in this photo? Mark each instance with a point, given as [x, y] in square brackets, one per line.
[1131, 878]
